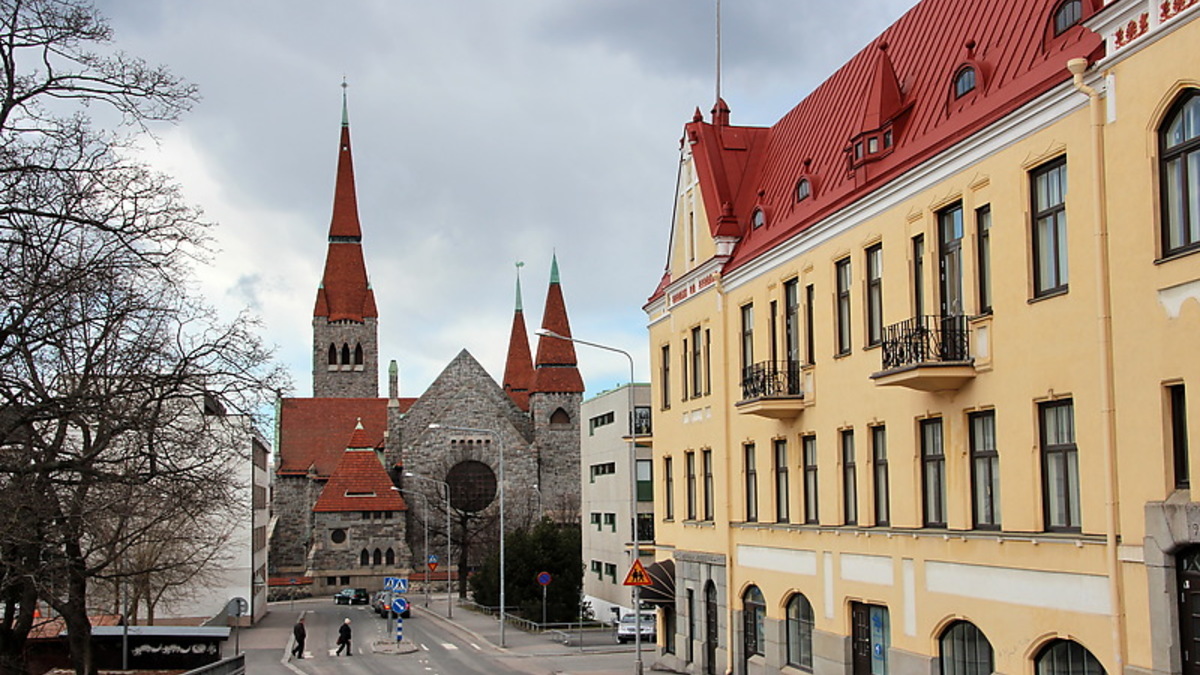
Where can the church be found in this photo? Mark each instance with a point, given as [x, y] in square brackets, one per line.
[363, 482]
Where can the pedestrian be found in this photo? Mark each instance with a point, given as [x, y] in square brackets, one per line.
[300, 634]
[344, 638]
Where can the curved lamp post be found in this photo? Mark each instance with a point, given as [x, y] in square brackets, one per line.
[500, 446]
[449, 587]
[637, 590]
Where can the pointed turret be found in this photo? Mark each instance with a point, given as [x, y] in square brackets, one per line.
[518, 369]
[556, 367]
[884, 99]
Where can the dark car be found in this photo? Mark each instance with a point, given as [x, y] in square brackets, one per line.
[352, 596]
[382, 603]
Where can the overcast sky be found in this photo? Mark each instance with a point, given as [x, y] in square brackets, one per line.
[485, 132]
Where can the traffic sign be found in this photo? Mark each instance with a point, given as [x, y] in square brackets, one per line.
[432, 562]
[637, 575]
[395, 584]
[399, 605]
[544, 578]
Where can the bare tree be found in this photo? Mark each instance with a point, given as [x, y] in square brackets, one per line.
[106, 354]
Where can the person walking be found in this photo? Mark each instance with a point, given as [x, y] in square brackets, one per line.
[343, 640]
[299, 632]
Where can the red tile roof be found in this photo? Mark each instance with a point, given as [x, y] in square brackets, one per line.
[345, 200]
[904, 79]
[556, 370]
[359, 483]
[518, 368]
[313, 431]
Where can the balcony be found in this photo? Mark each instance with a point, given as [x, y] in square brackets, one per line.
[927, 353]
[773, 389]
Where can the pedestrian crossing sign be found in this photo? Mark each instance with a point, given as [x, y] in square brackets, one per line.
[637, 575]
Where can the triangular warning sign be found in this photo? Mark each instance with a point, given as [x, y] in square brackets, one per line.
[637, 575]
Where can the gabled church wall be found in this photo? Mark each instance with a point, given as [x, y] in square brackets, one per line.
[331, 559]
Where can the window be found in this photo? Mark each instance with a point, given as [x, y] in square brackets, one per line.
[800, 633]
[600, 421]
[333, 355]
[358, 354]
[983, 232]
[597, 569]
[1179, 151]
[985, 471]
[691, 619]
[697, 364]
[751, 483]
[1068, 14]
[706, 457]
[345, 354]
[1060, 466]
[810, 480]
[803, 189]
[754, 614]
[875, 294]
[1177, 403]
[950, 233]
[964, 650]
[933, 474]
[964, 82]
[641, 420]
[758, 219]
[918, 274]
[1049, 188]
[666, 377]
[810, 356]
[645, 480]
[596, 520]
[389, 558]
[707, 361]
[610, 571]
[690, 460]
[879, 453]
[610, 521]
[377, 557]
[364, 558]
[1064, 657]
[842, 270]
[747, 339]
[560, 417]
[781, 480]
[669, 489]
[338, 536]
[849, 479]
[684, 355]
[791, 322]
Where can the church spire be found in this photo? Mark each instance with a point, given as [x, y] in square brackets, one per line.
[556, 367]
[518, 369]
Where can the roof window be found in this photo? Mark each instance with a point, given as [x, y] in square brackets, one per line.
[1068, 14]
[758, 219]
[803, 189]
[964, 81]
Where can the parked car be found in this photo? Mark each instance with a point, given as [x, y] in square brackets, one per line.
[351, 596]
[627, 628]
[382, 604]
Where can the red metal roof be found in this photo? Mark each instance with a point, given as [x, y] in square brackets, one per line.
[313, 431]
[359, 483]
[904, 79]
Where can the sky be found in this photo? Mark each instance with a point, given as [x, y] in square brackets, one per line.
[484, 133]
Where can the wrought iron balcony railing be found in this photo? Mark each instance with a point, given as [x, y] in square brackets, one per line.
[771, 379]
[926, 339]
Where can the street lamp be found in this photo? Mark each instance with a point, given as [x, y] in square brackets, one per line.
[449, 588]
[637, 590]
[500, 447]
[425, 522]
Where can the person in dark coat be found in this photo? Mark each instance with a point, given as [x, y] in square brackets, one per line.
[300, 634]
[344, 638]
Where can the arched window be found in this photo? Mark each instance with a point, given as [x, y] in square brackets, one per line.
[389, 557]
[803, 189]
[754, 612]
[364, 558]
[964, 81]
[800, 633]
[378, 558]
[1068, 14]
[758, 219]
[1064, 657]
[332, 355]
[1179, 151]
[560, 416]
[345, 354]
[358, 355]
[964, 650]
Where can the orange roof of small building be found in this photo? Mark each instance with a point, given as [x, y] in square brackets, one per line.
[312, 431]
[902, 83]
[360, 482]
[556, 367]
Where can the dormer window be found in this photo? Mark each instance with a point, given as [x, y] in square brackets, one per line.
[758, 219]
[873, 145]
[803, 189]
[887, 139]
[858, 150]
[1068, 14]
[964, 82]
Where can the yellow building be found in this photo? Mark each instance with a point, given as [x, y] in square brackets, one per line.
[922, 356]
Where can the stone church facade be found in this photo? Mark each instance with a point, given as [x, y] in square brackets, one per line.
[360, 478]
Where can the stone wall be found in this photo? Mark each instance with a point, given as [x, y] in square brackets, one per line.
[291, 504]
[557, 447]
[345, 380]
[333, 559]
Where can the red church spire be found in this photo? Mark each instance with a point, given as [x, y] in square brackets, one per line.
[518, 370]
[556, 369]
[345, 294]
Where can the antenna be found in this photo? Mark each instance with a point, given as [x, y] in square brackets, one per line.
[718, 50]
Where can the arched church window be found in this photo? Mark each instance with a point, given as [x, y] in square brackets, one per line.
[364, 558]
[358, 354]
[378, 560]
[560, 416]
[345, 354]
[390, 557]
[332, 354]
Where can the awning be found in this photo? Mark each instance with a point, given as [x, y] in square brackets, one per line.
[661, 590]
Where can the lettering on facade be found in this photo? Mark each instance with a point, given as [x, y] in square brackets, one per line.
[693, 288]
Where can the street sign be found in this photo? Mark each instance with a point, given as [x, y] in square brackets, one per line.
[637, 575]
[399, 605]
[432, 562]
[395, 584]
[544, 578]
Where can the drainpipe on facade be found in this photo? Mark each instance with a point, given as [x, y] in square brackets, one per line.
[1108, 409]
[730, 543]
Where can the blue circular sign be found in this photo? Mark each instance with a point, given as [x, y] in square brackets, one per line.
[399, 605]
[543, 578]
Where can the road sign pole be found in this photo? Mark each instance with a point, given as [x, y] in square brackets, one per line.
[543, 607]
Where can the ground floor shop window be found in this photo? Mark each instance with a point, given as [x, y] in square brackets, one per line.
[964, 650]
[800, 633]
[1064, 657]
